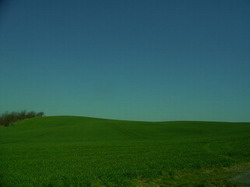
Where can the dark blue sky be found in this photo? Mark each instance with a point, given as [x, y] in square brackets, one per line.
[133, 59]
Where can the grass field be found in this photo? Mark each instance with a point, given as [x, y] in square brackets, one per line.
[79, 151]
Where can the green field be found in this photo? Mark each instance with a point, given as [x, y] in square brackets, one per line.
[79, 151]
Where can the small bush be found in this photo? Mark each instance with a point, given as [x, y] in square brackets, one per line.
[8, 119]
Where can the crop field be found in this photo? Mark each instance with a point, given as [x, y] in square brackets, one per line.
[68, 151]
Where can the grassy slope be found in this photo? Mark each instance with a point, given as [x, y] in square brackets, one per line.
[77, 151]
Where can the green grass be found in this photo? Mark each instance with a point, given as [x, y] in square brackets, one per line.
[79, 151]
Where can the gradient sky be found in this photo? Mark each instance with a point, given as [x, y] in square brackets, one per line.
[127, 59]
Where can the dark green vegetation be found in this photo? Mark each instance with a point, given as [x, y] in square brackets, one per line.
[78, 151]
[7, 118]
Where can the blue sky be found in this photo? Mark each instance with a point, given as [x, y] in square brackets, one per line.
[135, 59]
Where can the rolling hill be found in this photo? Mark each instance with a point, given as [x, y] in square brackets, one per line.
[82, 151]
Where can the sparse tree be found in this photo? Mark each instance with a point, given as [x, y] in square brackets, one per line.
[7, 119]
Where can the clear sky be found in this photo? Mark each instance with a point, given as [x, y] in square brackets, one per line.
[155, 60]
